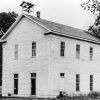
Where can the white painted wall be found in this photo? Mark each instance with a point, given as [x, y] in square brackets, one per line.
[72, 66]
[23, 34]
[47, 64]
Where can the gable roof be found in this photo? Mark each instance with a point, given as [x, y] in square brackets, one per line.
[58, 29]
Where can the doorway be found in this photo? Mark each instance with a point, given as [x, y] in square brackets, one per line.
[33, 83]
[15, 83]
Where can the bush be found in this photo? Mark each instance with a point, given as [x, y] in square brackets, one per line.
[94, 94]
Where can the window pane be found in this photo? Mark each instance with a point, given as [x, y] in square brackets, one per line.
[16, 51]
[91, 82]
[77, 47]
[33, 48]
[62, 75]
[91, 88]
[91, 49]
[77, 86]
[91, 53]
[33, 74]
[77, 51]
[91, 78]
[77, 82]
[15, 75]
[62, 48]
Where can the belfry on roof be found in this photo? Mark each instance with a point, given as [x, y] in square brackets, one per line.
[27, 6]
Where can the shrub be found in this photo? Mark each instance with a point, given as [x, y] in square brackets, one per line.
[94, 94]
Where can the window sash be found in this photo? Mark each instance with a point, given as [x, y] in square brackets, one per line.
[16, 76]
[91, 53]
[33, 75]
[62, 75]
[16, 51]
[77, 86]
[33, 49]
[77, 47]
[77, 82]
[62, 49]
[91, 82]
[77, 51]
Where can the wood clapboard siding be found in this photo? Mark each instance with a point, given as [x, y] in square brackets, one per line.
[47, 64]
[23, 35]
[72, 66]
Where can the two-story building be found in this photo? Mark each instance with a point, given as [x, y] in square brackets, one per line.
[43, 58]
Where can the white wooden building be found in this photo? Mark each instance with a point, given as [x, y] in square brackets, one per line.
[42, 58]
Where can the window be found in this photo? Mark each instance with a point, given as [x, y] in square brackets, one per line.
[33, 49]
[91, 53]
[62, 75]
[16, 51]
[15, 83]
[33, 75]
[15, 75]
[91, 82]
[77, 51]
[77, 82]
[62, 48]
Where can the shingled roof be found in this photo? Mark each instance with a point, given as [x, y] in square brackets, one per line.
[57, 29]
[66, 30]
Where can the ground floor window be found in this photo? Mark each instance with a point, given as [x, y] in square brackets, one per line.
[77, 82]
[62, 75]
[91, 82]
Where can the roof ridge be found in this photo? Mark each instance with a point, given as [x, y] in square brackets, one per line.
[55, 22]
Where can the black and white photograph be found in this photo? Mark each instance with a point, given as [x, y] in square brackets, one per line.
[49, 49]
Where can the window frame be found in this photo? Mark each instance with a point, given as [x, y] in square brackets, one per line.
[33, 75]
[91, 82]
[91, 53]
[77, 51]
[16, 52]
[77, 82]
[62, 75]
[62, 48]
[33, 48]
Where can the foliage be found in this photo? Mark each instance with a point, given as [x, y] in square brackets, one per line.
[6, 20]
[94, 7]
[94, 95]
[90, 96]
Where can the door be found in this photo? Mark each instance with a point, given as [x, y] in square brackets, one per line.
[33, 86]
[33, 83]
[16, 84]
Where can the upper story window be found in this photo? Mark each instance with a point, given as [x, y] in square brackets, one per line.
[62, 48]
[91, 82]
[91, 53]
[33, 49]
[16, 51]
[77, 51]
[77, 82]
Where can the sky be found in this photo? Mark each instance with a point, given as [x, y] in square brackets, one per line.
[67, 12]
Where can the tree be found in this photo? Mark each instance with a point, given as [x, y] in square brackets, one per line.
[6, 20]
[94, 7]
